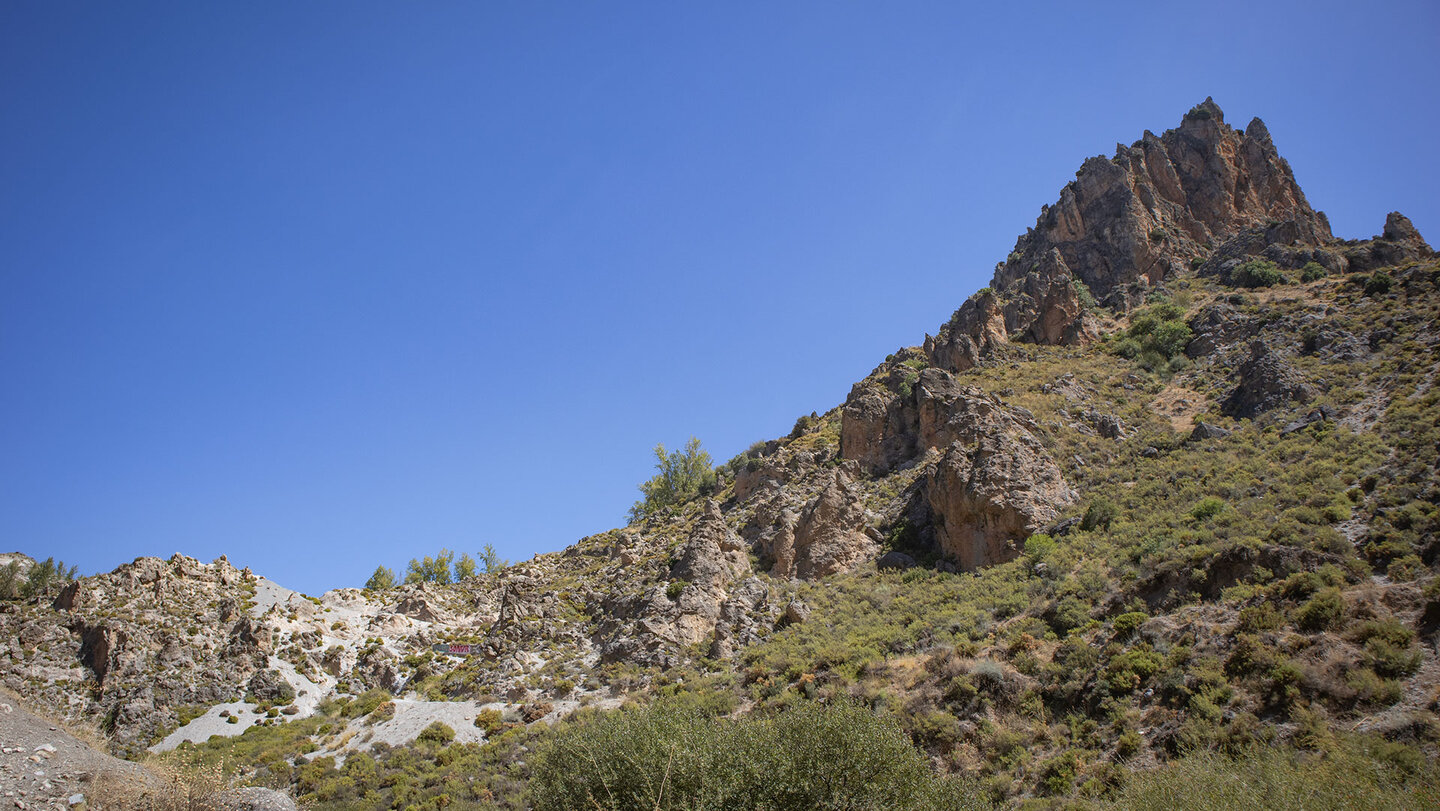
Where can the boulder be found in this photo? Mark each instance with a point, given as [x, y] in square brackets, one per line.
[1266, 382]
[269, 685]
[987, 496]
[895, 561]
[1204, 431]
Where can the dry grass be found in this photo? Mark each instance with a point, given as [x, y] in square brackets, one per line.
[1180, 406]
[167, 785]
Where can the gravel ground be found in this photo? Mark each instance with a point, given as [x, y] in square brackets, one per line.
[268, 593]
[43, 766]
[202, 727]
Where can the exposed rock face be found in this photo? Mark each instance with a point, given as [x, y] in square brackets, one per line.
[1397, 244]
[994, 484]
[987, 496]
[737, 625]
[1126, 223]
[376, 667]
[879, 421]
[830, 535]
[100, 648]
[714, 556]
[419, 605]
[1266, 382]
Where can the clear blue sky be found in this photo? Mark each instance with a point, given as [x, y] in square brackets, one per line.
[325, 285]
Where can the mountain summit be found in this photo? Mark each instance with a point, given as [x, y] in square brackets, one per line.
[1126, 223]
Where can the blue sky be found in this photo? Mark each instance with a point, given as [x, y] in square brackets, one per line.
[327, 285]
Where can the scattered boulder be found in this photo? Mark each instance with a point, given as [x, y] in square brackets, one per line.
[253, 798]
[1266, 382]
[269, 685]
[795, 612]
[420, 605]
[1204, 431]
[1316, 416]
[1107, 425]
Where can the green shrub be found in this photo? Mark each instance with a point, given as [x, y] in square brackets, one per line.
[1128, 623]
[683, 476]
[1313, 271]
[1350, 775]
[669, 756]
[1257, 273]
[1070, 613]
[365, 703]
[1132, 668]
[382, 713]
[1322, 611]
[1378, 283]
[1207, 508]
[1038, 547]
[1261, 617]
[1099, 515]
[1391, 660]
[1156, 334]
[488, 720]
[438, 732]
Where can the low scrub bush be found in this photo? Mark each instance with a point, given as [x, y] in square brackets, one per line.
[1357, 773]
[670, 756]
[1257, 273]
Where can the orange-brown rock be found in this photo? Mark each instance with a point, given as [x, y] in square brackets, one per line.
[1126, 223]
[988, 496]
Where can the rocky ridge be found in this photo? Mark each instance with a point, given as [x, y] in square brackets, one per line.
[930, 463]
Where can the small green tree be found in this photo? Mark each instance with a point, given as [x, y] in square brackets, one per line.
[10, 581]
[44, 575]
[430, 570]
[464, 567]
[683, 475]
[491, 560]
[384, 578]
[1100, 514]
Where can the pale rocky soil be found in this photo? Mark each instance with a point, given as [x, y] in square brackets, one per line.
[43, 766]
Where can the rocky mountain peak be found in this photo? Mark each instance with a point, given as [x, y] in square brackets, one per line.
[1126, 223]
[1398, 228]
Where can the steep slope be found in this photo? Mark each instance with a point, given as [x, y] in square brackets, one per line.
[1169, 482]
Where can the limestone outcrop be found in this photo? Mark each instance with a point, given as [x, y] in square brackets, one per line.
[1129, 222]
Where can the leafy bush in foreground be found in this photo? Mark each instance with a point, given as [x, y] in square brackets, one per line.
[670, 755]
[1360, 773]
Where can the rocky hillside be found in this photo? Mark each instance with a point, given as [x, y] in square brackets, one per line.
[1169, 482]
